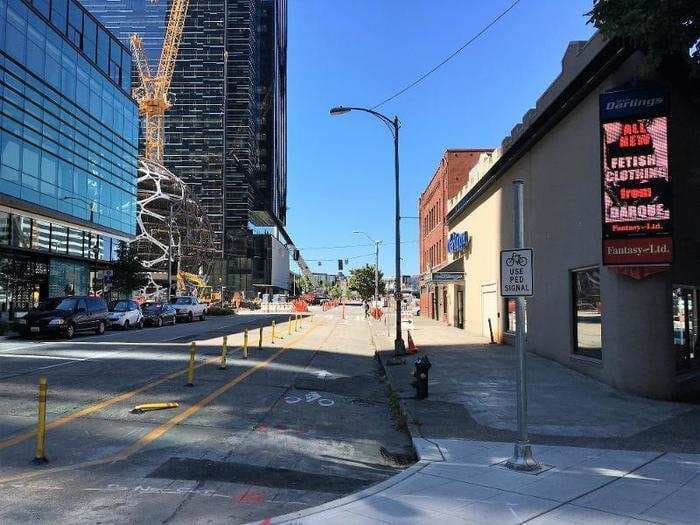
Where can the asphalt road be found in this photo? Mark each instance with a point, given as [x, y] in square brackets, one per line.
[302, 421]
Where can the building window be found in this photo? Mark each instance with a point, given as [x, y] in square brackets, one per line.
[587, 313]
[685, 328]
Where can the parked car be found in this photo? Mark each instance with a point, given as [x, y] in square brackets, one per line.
[124, 314]
[65, 316]
[158, 314]
[189, 308]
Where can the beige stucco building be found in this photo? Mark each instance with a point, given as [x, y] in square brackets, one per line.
[634, 326]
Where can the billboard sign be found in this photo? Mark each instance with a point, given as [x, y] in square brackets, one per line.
[636, 185]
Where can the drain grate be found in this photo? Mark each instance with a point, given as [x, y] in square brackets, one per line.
[207, 470]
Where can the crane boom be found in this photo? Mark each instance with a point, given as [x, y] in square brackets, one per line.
[171, 45]
[152, 93]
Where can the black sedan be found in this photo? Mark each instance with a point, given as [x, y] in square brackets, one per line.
[158, 314]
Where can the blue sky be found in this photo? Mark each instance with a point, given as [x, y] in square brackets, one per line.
[358, 52]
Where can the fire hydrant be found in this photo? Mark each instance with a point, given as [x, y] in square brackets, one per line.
[421, 367]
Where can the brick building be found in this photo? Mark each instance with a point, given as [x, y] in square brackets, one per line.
[451, 174]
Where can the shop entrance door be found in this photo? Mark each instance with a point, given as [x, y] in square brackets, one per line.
[685, 328]
[459, 308]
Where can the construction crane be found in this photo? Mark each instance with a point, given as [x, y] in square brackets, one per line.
[152, 92]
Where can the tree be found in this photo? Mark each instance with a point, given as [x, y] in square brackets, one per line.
[662, 29]
[362, 282]
[129, 272]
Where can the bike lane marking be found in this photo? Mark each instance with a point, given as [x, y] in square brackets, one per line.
[163, 428]
[102, 405]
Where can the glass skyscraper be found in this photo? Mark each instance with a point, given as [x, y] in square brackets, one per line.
[68, 149]
[226, 132]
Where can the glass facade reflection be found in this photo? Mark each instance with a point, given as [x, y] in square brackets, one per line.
[69, 129]
[68, 150]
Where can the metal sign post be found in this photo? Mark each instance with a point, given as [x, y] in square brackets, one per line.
[516, 281]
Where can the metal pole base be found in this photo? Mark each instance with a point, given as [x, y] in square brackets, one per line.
[399, 347]
[523, 459]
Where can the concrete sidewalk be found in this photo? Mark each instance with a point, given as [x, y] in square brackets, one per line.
[463, 482]
[628, 463]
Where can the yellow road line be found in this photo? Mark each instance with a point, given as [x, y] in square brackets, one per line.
[91, 409]
[164, 427]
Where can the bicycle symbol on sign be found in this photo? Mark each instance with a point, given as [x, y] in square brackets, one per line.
[516, 258]
[311, 397]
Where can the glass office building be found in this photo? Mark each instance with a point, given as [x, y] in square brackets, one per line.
[225, 135]
[68, 150]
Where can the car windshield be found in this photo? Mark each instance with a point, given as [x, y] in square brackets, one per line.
[67, 305]
[119, 306]
[182, 300]
[152, 307]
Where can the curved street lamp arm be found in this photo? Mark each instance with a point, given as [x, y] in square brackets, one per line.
[392, 124]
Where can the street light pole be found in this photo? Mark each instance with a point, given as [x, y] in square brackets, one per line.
[393, 125]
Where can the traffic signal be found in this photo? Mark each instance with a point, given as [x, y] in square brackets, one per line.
[295, 254]
[340, 265]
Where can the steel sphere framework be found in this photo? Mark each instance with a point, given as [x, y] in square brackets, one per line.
[159, 191]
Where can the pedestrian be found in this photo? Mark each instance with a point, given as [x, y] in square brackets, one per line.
[366, 309]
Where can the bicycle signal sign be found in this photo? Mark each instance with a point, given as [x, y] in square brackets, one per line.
[516, 273]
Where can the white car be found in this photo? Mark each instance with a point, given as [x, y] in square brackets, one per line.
[189, 308]
[124, 314]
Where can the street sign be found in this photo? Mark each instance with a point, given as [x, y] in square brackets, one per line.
[445, 277]
[516, 273]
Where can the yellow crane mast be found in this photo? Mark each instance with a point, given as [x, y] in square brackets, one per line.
[152, 93]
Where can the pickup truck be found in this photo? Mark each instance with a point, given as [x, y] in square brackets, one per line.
[189, 308]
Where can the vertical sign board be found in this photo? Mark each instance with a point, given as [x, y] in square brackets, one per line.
[636, 184]
[516, 273]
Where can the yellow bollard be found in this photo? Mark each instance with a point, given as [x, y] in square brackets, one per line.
[224, 351]
[289, 326]
[245, 344]
[190, 366]
[260, 338]
[273, 332]
[40, 456]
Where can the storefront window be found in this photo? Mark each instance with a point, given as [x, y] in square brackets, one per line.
[4, 229]
[41, 235]
[587, 313]
[21, 231]
[59, 239]
[510, 319]
[685, 328]
[75, 242]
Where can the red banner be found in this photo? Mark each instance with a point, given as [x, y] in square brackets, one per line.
[650, 250]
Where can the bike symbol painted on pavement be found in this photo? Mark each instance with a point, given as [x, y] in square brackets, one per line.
[311, 397]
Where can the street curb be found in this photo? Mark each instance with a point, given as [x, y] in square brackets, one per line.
[423, 448]
[365, 493]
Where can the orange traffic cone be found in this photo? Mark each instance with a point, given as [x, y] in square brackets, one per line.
[412, 348]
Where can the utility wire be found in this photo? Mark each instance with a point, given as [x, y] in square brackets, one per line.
[450, 57]
[309, 248]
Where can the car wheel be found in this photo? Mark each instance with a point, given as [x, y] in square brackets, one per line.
[190, 317]
[140, 325]
[70, 331]
[159, 322]
[174, 320]
[202, 317]
[126, 325]
[100, 328]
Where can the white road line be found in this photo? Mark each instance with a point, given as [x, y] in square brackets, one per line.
[39, 356]
[31, 370]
